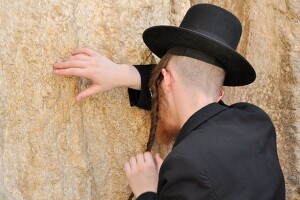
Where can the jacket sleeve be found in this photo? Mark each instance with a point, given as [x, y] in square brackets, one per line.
[142, 98]
[182, 179]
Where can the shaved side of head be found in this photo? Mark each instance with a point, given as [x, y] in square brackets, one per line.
[197, 75]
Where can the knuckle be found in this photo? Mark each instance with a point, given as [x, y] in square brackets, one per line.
[149, 165]
[93, 62]
[140, 169]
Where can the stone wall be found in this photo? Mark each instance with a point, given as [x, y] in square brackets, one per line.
[52, 147]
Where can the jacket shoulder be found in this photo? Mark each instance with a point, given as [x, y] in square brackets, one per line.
[248, 107]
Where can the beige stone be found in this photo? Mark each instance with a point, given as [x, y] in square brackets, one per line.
[52, 147]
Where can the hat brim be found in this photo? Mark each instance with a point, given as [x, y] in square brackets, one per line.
[160, 39]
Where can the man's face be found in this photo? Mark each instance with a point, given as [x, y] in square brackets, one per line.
[167, 128]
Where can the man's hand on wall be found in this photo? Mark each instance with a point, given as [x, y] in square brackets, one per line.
[142, 173]
[104, 73]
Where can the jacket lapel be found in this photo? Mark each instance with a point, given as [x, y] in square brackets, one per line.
[199, 118]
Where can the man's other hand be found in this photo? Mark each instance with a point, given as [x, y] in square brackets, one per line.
[142, 173]
[104, 73]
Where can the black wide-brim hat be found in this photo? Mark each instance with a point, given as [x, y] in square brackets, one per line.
[210, 30]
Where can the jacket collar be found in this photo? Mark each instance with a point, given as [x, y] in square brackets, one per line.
[199, 118]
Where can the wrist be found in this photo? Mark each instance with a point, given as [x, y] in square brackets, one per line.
[132, 77]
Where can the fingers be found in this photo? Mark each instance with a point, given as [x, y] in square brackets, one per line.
[140, 159]
[86, 51]
[133, 163]
[93, 89]
[81, 57]
[148, 157]
[70, 72]
[70, 64]
[142, 174]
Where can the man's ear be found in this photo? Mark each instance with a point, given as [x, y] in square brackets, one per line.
[167, 80]
[221, 94]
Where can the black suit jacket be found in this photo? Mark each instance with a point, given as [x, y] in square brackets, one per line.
[222, 152]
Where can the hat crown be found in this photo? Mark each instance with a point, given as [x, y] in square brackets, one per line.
[214, 22]
[205, 30]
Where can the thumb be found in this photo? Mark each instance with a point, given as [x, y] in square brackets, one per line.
[159, 161]
[93, 89]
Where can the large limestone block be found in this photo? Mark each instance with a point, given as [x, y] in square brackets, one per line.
[270, 41]
[52, 147]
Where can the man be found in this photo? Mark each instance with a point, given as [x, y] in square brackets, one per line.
[220, 152]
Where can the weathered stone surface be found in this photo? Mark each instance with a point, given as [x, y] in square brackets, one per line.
[270, 42]
[50, 146]
[54, 148]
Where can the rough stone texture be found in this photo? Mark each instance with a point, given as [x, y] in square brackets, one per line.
[50, 146]
[270, 42]
[54, 148]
